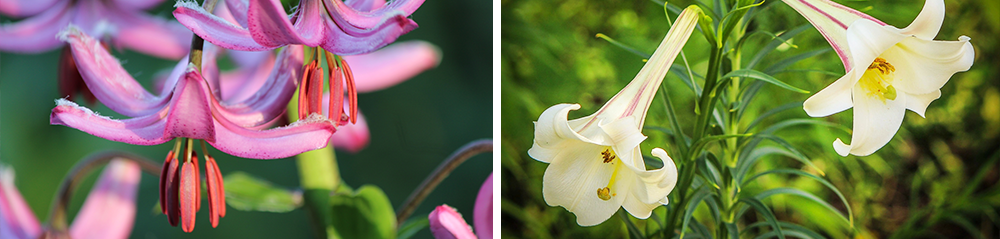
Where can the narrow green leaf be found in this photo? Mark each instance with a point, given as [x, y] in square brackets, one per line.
[965, 224]
[633, 231]
[804, 194]
[696, 147]
[782, 64]
[698, 196]
[850, 214]
[366, 213]
[775, 110]
[682, 73]
[765, 211]
[412, 226]
[774, 43]
[248, 193]
[645, 56]
[789, 229]
[753, 74]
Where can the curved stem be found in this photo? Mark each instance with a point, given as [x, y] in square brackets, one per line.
[197, 43]
[57, 216]
[467, 151]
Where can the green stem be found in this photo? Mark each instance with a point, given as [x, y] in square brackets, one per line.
[465, 152]
[708, 96]
[320, 177]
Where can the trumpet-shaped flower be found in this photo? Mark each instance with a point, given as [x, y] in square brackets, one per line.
[596, 164]
[187, 107]
[342, 28]
[108, 211]
[123, 22]
[889, 70]
[447, 223]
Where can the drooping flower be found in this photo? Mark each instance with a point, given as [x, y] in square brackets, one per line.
[123, 23]
[889, 70]
[595, 161]
[447, 223]
[342, 28]
[108, 211]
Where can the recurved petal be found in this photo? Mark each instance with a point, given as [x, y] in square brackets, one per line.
[482, 216]
[252, 103]
[349, 40]
[836, 97]
[143, 130]
[832, 20]
[109, 210]
[867, 40]
[344, 14]
[35, 34]
[16, 219]
[136, 4]
[106, 78]
[151, 35]
[875, 123]
[269, 25]
[215, 29]
[552, 131]
[928, 22]
[303, 135]
[25, 8]
[238, 9]
[447, 223]
[366, 5]
[637, 208]
[393, 64]
[918, 103]
[924, 66]
[573, 179]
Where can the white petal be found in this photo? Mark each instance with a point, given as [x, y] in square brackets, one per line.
[867, 40]
[572, 181]
[924, 66]
[551, 130]
[928, 22]
[637, 208]
[875, 122]
[624, 135]
[831, 20]
[834, 98]
[918, 103]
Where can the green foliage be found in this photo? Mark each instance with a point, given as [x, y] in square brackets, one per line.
[365, 213]
[248, 193]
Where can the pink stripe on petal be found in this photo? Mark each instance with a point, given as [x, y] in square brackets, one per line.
[35, 34]
[215, 29]
[393, 64]
[446, 223]
[109, 210]
[16, 219]
[106, 78]
[482, 217]
[831, 20]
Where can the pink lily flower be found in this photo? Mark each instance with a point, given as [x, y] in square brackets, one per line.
[342, 28]
[447, 223]
[108, 212]
[376, 71]
[189, 108]
[122, 21]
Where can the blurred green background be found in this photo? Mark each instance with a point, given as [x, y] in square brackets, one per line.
[916, 184]
[414, 126]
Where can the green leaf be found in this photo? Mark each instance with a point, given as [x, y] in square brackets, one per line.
[696, 147]
[788, 229]
[248, 193]
[774, 43]
[645, 56]
[782, 64]
[366, 213]
[748, 73]
[697, 197]
[775, 110]
[412, 226]
[804, 194]
[682, 73]
[633, 231]
[765, 211]
[850, 214]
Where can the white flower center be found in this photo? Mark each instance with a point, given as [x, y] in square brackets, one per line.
[877, 80]
[608, 156]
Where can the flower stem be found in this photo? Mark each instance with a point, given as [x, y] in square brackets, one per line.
[465, 152]
[57, 216]
[197, 43]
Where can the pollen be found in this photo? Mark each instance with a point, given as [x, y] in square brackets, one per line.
[608, 155]
[877, 80]
[604, 193]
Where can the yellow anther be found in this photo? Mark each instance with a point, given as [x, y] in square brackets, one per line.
[604, 193]
[877, 80]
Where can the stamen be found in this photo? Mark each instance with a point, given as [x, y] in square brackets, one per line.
[877, 80]
[336, 89]
[352, 92]
[604, 193]
[609, 156]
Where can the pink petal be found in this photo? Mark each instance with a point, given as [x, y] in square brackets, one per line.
[35, 34]
[347, 40]
[351, 137]
[446, 223]
[393, 64]
[16, 219]
[237, 9]
[832, 20]
[344, 14]
[136, 4]
[109, 210]
[366, 5]
[151, 35]
[190, 114]
[301, 136]
[25, 8]
[239, 84]
[482, 217]
[106, 78]
[270, 26]
[144, 130]
[264, 102]
[215, 29]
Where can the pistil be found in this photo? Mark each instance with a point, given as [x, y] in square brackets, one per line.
[609, 156]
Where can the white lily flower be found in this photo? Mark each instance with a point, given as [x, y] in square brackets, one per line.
[888, 69]
[596, 164]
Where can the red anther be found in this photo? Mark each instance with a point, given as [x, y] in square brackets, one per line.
[187, 196]
[197, 181]
[163, 180]
[316, 91]
[216, 197]
[172, 184]
[306, 73]
[221, 191]
[351, 91]
[336, 95]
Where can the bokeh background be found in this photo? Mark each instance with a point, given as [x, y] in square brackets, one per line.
[914, 187]
[414, 126]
